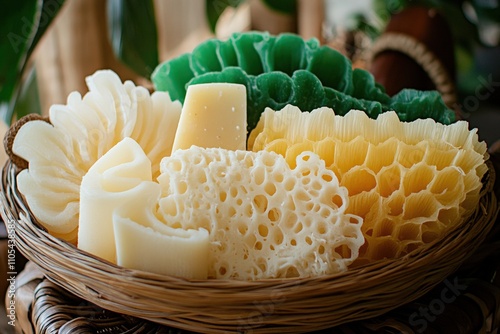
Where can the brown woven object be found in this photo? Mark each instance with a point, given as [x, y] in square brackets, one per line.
[296, 305]
[56, 311]
[44, 307]
[11, 134]
[416, 51]
[424, 57]
[470, 309]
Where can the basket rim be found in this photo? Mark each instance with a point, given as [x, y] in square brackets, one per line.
[140, 294]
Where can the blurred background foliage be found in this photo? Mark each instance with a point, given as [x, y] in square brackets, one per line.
[474, 24]
[133, 35]
[22, 25]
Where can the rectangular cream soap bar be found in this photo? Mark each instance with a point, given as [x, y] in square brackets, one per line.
[213, 115]
[145, 243]
[176, 252]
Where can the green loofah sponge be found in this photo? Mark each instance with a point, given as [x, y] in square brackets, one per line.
[286, 69]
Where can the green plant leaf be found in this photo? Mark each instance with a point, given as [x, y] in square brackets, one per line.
[16, 24]
[215, 8]
[28, 100]
[487, 13]
[283, 6]
[23, 24]
[133, 34]
[49, 10]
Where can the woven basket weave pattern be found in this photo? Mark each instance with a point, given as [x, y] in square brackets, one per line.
[55, 310]
[265, 306]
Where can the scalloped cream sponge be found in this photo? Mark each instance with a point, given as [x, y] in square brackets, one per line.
[80, 132]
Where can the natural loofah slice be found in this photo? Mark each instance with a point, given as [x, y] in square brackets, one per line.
[83, 130]
[409, 181]
[286, 69]
[265, 220]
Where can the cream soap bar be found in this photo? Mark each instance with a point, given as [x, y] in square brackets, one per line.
[213, 116]
[115, 179]
[145, 243]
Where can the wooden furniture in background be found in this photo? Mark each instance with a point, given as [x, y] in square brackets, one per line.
[75, 46]
[77, 43]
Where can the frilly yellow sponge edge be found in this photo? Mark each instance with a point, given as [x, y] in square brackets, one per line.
[286, 69]
[409, 181]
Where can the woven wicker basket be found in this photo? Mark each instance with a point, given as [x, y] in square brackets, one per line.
[295, 305]
[51, 309]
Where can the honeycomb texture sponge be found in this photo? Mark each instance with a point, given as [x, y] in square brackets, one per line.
[409, 181]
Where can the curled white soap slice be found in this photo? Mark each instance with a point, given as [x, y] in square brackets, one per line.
[145, 243]
[81, 131]
[119, 177]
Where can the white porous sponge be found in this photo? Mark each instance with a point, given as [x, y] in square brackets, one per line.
[265, 219]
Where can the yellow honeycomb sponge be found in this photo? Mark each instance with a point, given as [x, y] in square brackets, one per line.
[265, 219]
[410, 182]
